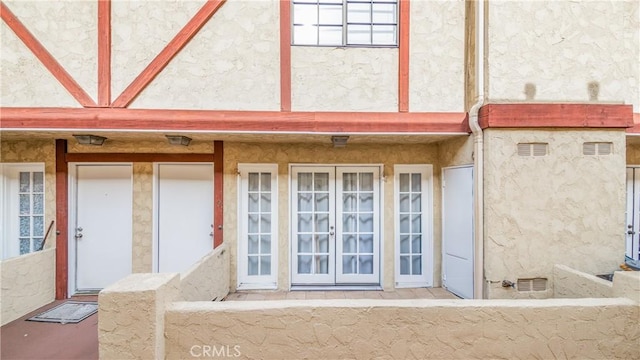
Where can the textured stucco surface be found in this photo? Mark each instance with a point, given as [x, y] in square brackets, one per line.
[436, 59]
[28, 282]
[142, 227]
[344, 79]
[424, 329]
[627, 284]
[131, 315]
[284, 154]
[570, 283]
[208, 279]
[233, 63]
[68, 30]
[570, 207]
[456, 152]
[562, 46]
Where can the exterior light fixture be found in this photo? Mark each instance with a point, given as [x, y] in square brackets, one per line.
[178, 140]
[90, 139]
[339, 141]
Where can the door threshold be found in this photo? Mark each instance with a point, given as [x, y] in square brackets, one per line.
[336, 288]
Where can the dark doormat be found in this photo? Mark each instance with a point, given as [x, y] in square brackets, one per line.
[69, 312]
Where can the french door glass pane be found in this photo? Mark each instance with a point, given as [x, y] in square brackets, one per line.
[253, 244]
[253, 202]
[25, 226]
[253, 265]
[38, 181]
[322, 243]
[305, 202]
[366, 264]
[405, 266]
[265, 244]
[265, 265]
[313, 214]
[38, 226]
[304, 264]
[25, 246]
[25, 180]
[322, 202]
[25, 202]
[254, 180]
[322, 264]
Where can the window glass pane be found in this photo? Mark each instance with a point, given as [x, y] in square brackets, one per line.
[322, 202]
[253, 202]
[359, 34]
[404, 203]
[404, 244]
[404, 224]
[265, 265]
[349, 265]
[404, 265]
[404, 182]
[416, 202]
[38, 226]
[384, 35]
[321, 182]
[253, 181]
[38, 204]
[366, 222]
[349, 243]
[265, 202]
[265, 182]
[366, 244]
[253, 224]
[253, 265]
[349, 223]
[37, 244]
[384, 13]
[416, 182]
[265, 244]
[322, 243]
[25, 204]
[349, 202]
[304, 223]
[416, 244]
[24, 181]
[416, 267]
[366, 202]
[322, 222]
[265, 223]
[322, 264]
[359, 13]
[38, 181]
[305, 14]
[366, 264]
[330, 35]
[253, 244]
[305, 181]
[331, 14]
[304, 243]
[366, 182]
[305, 35]
[304, 264]
[305, 202]
[349, 181]
[25, 226]
[416, 224]
[25, 246]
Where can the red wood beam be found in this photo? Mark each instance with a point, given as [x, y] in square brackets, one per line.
[285, 55]
[62, 220]
[169, 52]
[635, 129]
[136, 157]
[229, 121]
[403, 61]
[218, 193]
[556, 116]
[104, 53]
[45, 57]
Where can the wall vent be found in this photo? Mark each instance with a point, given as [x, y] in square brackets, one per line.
[535, 284]
[533, 149]
[597, 148]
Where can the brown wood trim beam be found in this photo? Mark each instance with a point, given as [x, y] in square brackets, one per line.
[635, 129]
[137, 157]
[556, 116]
[62, 220]
[218, 193]
[168, 53]
[104, 53]
[45, 57]
[403, 52]
[285, 55]
[230, 121]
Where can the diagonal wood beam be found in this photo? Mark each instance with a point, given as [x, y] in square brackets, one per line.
[169, 52]
[104, 53]
[45, 57]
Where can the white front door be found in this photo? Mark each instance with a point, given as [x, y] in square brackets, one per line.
[336, 230]
[457, 230]
[632, 248]
[102, 230]
[184, 215]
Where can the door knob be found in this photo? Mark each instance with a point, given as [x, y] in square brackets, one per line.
[631, 232]
[78, 233]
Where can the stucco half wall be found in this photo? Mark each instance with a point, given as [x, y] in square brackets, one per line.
[561, 208]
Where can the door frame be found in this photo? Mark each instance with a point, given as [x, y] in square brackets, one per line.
[634, 216]
[155, 243]
[381, 193]
[73, 218]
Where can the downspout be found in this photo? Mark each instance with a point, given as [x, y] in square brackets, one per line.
[478, 161]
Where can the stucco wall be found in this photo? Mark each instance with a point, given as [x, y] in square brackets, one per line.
[542, 210]
[425, 329]
[456, 152]
[68, 30]
[436, 60]
[570, 283]
[208, 279]
[142, 227]
[284, 154]
[344, 79]
[561, 47]
[28, 282]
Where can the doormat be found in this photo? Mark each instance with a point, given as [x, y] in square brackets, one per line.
[70, 312]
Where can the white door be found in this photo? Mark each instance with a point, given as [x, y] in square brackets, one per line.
[335, 217]
[184, 215]
[457, 230]
[632, 248]
[103, 225]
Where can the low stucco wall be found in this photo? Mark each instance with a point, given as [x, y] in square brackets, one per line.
[28, 282]
[436, 329]
[571, 283]
[208, 279]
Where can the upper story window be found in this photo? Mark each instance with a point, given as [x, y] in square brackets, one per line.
[345, 22]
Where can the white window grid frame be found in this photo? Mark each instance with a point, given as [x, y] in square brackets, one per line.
[345, 24]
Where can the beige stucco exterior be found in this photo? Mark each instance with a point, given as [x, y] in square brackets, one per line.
[561, 47]
[28, 282]
[564, 207]
[208, 278]
[570, 283]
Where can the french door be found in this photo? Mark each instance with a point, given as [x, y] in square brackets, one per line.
[336, 225]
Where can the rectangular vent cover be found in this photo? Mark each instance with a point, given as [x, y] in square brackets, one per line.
[535, 284]
[533, 149]
[597, 148]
